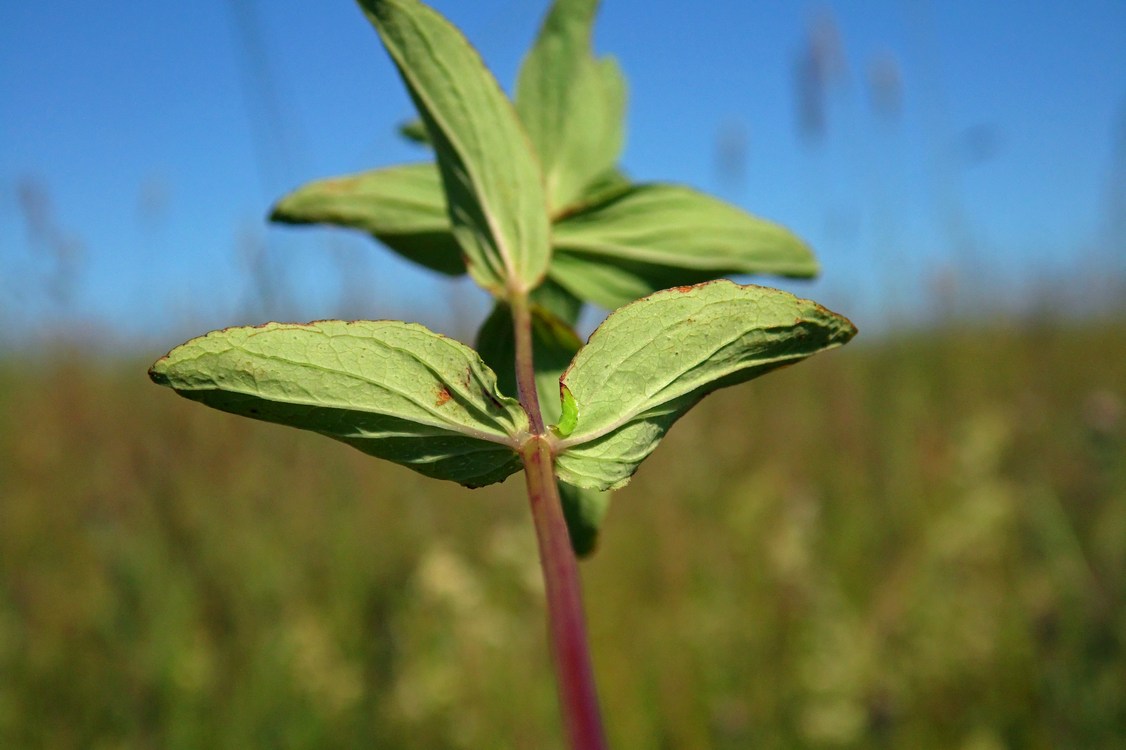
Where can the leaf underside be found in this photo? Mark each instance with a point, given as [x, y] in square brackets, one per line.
[402, 206]
[492, 180]
[571, 104]
[652, 360]
[393, 390]
[647, 237]
[583, 510]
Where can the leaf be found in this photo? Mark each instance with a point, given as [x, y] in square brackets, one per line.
[652, 360]
[650, 237]
[403, 207]
[496, 343]
[393, 390]
[415, 132]
[598, 190]
[492, 180]
[557, 301]
[583, 510]
[571, 104]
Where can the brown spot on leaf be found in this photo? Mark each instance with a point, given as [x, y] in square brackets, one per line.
[683, 289]
[443, 396]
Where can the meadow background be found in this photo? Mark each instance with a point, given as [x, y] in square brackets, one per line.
[917, 541]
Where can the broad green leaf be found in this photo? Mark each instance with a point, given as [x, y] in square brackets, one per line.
[403, 207]
[393, 390]
[650, 237]
[493, 184]
[571, 104]
[652, 360]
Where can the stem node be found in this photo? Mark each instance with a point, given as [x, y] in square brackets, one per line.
[566, 621]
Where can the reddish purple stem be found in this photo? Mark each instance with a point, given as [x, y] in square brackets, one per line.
[566, 621]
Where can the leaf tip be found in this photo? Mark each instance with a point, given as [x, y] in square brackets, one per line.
[158, 372]
[845, 331]
[282, 211]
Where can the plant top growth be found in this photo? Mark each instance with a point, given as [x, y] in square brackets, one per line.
[526, 197]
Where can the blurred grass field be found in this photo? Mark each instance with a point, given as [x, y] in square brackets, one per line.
[917, 542]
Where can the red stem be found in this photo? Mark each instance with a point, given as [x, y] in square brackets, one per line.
[566, 622]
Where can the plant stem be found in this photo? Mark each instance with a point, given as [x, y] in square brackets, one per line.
[525, 366]
[566, 622]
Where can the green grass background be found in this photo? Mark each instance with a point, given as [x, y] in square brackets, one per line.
[918, 542]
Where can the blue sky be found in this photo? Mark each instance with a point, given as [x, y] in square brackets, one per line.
[141, 145]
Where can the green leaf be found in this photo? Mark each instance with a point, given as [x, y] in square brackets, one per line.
[496, 343]
[393, 390]
[557, 301]
[602, 188]
[583, 510]
[571, 104]
[652, 360]
[403, 207]
[650, 237]
[415, 132]
[493, 183]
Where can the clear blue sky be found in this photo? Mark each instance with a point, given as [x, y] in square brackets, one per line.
[142, 143]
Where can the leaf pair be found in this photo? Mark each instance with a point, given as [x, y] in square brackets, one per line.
[607, 241]
[401, 392]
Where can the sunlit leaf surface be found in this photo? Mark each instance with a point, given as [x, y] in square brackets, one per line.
[492, 179]
[652, 360]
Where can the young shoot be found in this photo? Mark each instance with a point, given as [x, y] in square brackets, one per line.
[525, 196]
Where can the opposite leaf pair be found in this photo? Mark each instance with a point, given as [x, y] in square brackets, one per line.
[503, 169]
[403, 393]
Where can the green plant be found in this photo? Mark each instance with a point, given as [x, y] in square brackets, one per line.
[527, 199]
